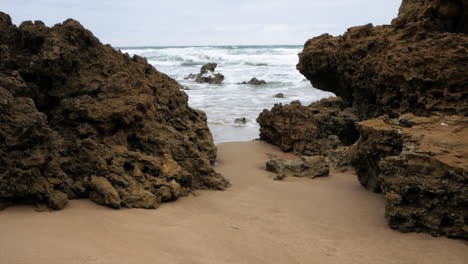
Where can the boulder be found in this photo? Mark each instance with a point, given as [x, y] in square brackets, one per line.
[309, 130]
[279, 95]
[307, 167]
[207, 75]
[79, 119]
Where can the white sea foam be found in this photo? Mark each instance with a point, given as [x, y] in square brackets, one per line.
[228, 101]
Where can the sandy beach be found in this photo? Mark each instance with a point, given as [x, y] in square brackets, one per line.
[257, 220]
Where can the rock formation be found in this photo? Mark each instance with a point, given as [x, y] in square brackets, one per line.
[438, 15]
[388, 70]
[309, 130]
[79, 119]
[308, 167]
[255, 81]
[407, 84]
[207, 75]
[421, 166]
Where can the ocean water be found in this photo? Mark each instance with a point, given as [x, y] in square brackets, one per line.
[230, 100]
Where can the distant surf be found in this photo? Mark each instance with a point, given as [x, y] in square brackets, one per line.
[230, 100]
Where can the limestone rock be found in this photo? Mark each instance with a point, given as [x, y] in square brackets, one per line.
[407, 85]
[306, 129]
[424, 176]
[377, 140]
[79, 119]
[391, 70]
[308, 167]
[450, 16]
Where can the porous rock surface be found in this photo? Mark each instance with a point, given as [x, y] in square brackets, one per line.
[309, 130]
[304, 167]
[407, 85]
[434, 15]
[391, 70]
[421, 166]
[79, 119]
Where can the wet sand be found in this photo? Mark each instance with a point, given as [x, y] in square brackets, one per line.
[257, 220]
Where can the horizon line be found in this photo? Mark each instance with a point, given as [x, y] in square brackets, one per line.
[186, 46]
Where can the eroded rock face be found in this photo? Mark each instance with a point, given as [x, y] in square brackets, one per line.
[307, 167]
[407, 85]
[390, 70]
[207, 75]
[442, 15]
[79, 119]
[377, 140]
[309, 130]
[423, 175]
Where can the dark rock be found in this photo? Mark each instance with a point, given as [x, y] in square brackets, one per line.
[445, 16]
[279, 95]
[79, 119]
[308, 167]
[241, 120]
[255, 81]
[209, 67]
[207, 75]
[306, 130]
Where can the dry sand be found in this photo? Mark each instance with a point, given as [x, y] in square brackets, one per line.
[258, 220]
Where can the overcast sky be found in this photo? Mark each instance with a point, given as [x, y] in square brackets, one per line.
[206, 22]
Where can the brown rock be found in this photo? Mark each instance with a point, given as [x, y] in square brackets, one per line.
[390, 70]
[423, 175]
[377, 140]
[418, 65]
[104, 193]
[80, 119]
[308, 167]
[449, 16]
[306, 129]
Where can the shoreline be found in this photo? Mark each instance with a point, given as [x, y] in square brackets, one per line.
[257, 220]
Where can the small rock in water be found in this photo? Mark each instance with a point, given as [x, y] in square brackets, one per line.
[207, 75]
[241, 120]
[309, 167]
[255, 81]
[279, 95]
